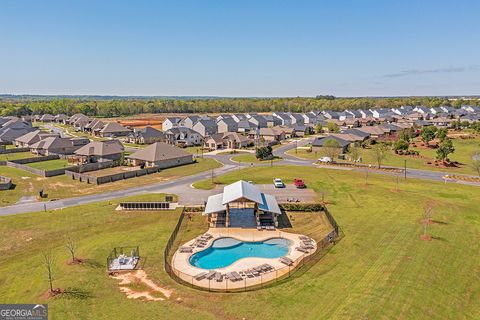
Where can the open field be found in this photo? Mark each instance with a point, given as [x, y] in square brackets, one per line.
[27, 184]
[49, 164]
[379, 270]
[250, 158]
[464, 148]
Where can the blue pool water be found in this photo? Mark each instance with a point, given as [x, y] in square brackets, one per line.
[225, 251]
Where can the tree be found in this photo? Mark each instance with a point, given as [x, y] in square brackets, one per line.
[401, 144]
[428, 134]
[48, 261]
[476, 162]
[332, 127]
[355, 152]
[318, 128]
[332, 148]
[379, 153]
[442, 134]
[264, 153]
[444, 149]
[407, 134]
[71, 247]
[427, 216]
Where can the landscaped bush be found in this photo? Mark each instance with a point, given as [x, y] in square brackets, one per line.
[304, 207]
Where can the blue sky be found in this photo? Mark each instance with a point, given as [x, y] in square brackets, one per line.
[240, 48]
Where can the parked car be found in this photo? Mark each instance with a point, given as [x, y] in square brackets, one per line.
[298, 183]
[325, 159]
[278, 183]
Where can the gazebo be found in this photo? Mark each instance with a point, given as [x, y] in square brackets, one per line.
[242, 205]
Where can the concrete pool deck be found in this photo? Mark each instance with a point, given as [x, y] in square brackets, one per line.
[185, 271]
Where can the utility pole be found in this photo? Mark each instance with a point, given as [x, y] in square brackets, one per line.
[405, 169]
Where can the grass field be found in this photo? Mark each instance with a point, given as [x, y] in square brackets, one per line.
[49, 164]
[463, 152]
[379, 270]
[58, 187]
[250, 158]
[15, 156]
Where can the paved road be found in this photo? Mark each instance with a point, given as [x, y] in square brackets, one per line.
[188, 195]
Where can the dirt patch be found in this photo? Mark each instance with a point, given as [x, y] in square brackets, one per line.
[426, 237]
[75, 261]
[50, 294]
[151, 292]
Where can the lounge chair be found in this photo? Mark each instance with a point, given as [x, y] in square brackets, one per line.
[286, 261]
[200, 276]
[249, 274]
[301, 249]
[304, 238]
[186, 249]
[218, 277]
[210, 274]
[259, 228]
[236, 276]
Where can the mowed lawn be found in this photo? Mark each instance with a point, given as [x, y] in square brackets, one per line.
[250, 158]
[379, 270]
[49, 164]
[15, 156]
[28, 184]
[464, 148]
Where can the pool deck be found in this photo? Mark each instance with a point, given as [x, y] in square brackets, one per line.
[184, 270]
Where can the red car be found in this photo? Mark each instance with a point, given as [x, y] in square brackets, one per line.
[299, 183]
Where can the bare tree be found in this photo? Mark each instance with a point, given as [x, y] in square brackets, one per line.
[71, 246]
[427, 216]
[355, 153]
[380, 152]
[476, 162]
[48, 261]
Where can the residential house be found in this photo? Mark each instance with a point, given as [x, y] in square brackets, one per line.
[171, 122]
[53, 146]
[94, 126]
[239, 117]
[13, 128]
[100, 151]
[272, 135]
[296, 118]
[227, 125]
[32, 137]
[285, 119]
[146, 135]
[258, 121]
[205, 127]
[189, 121]
[320, 143]
[60, 118]
[328, 114]
[113, 129]
[272, 121]
[227, 140]
[183, 137]
[47, 118]
[161, 155]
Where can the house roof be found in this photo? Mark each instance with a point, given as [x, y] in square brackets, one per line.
[61, 116]
[320, 142]
[159, 151]
[214, 204]
[28, 137]
[51, 143]
[149, 131]
[101, 148]
[241, 190]
[112, 127]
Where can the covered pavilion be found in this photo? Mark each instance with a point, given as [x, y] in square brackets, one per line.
[243, 205]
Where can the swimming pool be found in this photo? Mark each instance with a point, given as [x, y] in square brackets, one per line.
[225, 251]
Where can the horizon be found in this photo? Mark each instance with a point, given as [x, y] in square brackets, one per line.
[253, 49]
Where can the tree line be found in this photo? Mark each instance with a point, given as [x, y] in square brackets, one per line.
[131, 106]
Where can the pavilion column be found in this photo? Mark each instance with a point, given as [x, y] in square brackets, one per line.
[227, 220]
[255, 209]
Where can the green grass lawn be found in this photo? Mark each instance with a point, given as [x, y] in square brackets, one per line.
[463, 152]
[15, 156]
[49, 164]
[250, 158]
[27, 184]
[379, 270]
